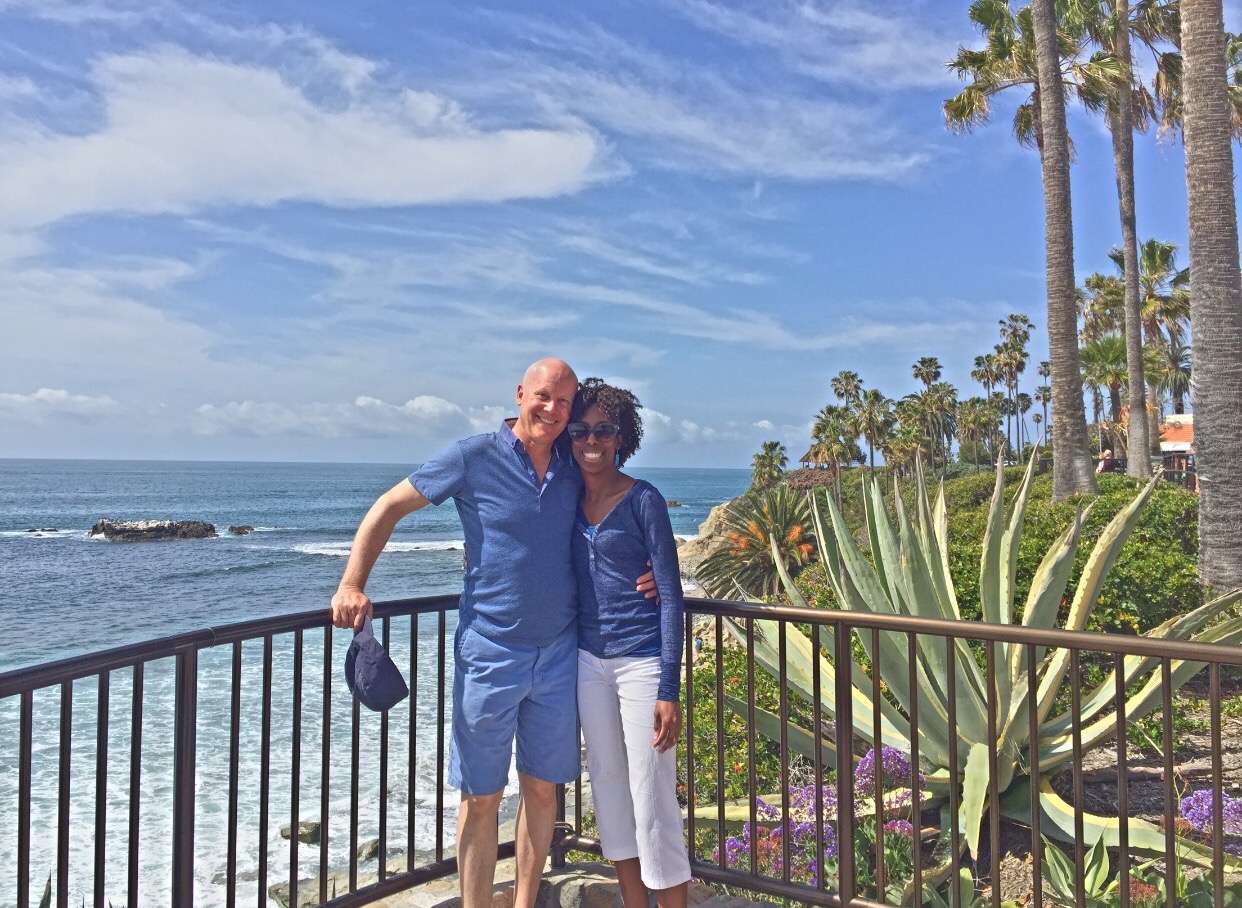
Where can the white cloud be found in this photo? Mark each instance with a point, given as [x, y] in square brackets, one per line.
[740, 130]
[656, 262]
[839, 43]
[84, 12]
[690, 117]
[425, 416]
[179, 132]
[49, 402]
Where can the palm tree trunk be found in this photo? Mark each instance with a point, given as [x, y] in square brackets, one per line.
[1216, 294]
[1123, 163]
[1153, 414]
[1072, 471]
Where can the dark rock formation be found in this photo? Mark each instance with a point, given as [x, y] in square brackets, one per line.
[673, 503]
[243, 529]
[308, 832]
[712, 535]
[151, 530]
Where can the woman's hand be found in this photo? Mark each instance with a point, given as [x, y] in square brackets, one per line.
[667, 725]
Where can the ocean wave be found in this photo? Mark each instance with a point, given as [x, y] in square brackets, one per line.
[44, 533]
[341, 549]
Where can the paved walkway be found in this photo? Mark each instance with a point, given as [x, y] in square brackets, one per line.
[586, 885]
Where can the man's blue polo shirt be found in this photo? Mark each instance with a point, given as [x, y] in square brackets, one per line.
[520, 586]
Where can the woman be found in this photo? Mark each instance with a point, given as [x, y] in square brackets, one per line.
[629, 653]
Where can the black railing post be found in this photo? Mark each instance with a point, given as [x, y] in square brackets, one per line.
[847, 884]
[560, 831]
[184, 745]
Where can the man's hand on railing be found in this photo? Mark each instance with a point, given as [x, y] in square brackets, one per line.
[667, 725]
[349, 607]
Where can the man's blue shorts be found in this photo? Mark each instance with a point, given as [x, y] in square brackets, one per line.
[503, 691]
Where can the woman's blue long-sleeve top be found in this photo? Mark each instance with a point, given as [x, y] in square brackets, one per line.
[614, 619]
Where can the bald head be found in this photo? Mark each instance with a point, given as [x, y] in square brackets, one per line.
[554, 370]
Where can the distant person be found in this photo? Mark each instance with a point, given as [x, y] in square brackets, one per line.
[516, 491]
[1108, 463]
[629, 654]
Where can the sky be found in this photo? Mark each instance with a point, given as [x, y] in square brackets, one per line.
[291, 231]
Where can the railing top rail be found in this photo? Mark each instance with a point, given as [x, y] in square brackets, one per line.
[18, 681]
[1084, 641]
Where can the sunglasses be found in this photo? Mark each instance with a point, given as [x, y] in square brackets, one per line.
[605, 431]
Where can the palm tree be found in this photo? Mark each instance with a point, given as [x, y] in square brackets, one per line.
[1216, 297]
[873, 419]
[927, 370]
[1011, 357]
[1022, 404]
[1172, 95]
[1043, 395]
[750, 523]
[1164, 308]
[1104, 366]
[1072, 471]
[835, 442]
[1173, 374]
[1155, 23]
[903, 448]
[768, 464]
[1008, 60]
[976, 419]
[944, 409]
[1101, 304]
[847, 386]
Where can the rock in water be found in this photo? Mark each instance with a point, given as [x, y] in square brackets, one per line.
[308, 832]
[244, 529]
[151, 530]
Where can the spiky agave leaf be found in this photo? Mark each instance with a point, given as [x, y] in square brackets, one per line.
[858, 588]
[1102, 556]
[1057, 819]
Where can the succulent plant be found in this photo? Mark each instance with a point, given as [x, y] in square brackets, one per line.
[908, 574]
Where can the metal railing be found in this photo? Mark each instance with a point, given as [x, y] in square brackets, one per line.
[234, 769]
[218, 737]
[832, 633]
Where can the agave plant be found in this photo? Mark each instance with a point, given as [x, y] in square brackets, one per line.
[908, 574]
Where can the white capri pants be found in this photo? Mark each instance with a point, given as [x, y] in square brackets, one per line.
[634, 786]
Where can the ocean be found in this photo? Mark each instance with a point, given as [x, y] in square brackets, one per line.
[63, 594]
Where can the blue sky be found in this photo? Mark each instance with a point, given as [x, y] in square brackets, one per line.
[340, 231]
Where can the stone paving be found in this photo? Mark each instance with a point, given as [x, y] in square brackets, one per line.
[584, 885]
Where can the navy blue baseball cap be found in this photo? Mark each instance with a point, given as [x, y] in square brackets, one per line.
[371, 674]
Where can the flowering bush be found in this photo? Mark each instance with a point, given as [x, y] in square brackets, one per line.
[765, 842]
[1196, 809]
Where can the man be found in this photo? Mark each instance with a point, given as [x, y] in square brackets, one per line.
[515, 651]
[1108, 463]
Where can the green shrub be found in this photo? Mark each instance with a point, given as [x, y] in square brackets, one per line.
[1155, 574]
[732, 733]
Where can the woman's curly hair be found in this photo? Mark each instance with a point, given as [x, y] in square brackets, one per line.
[618, 405]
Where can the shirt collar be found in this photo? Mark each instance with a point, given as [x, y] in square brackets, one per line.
[560, 448]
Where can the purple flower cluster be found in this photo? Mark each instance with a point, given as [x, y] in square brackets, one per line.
[767, 845]
[899, 827]
[894, 765]
[1197, 811]
[765, 841]
[895, 774]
